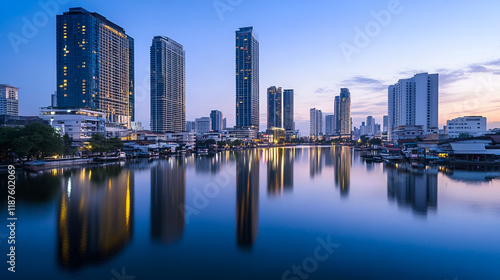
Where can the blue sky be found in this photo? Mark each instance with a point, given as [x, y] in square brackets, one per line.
[301, 47]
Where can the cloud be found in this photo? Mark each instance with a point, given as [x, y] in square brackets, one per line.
[323, 90]
[364, 82]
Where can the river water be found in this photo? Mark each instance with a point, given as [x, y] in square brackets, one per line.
[278, 213]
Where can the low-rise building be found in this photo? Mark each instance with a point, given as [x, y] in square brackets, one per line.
[18, 121]
[466, 126]
[78, 123]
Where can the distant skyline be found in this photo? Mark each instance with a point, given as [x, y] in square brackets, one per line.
[457, 40]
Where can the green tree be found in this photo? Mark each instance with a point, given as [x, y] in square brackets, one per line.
[99, 144]
[464, 135]
[375, 141]
[364, 140]
[68, 150]
[45, 141]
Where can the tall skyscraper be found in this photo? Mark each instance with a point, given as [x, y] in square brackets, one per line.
[342, 106]
[203, 125]
[9, 100]
[385, 123]
[217, 120]
[168, 85]
[288, 119]
[95, 62]
[370, 125]
[414, 101]
[316, 123]
[274, 108]
[247, 79]
[330, 124]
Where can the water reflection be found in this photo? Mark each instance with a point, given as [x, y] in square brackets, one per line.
[275, 171]
[247, 197]
[415, 188]
[315, 161]
[168, 192]
[95, 219]
[289, 160]
[342, 156]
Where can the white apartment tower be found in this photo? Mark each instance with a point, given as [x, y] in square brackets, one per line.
[414, 101]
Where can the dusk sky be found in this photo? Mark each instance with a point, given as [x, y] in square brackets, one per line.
[301, 46]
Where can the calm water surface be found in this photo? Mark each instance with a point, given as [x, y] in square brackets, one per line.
[280, 213]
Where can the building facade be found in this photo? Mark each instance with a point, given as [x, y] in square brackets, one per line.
[342, 108]
[168, 85]
[9, 100]
[80, 124]
[247, 79]
[330, 125]
[274, 107]
[288, 110]
[203, 125]
[217, 119]
[95, 65]
[316, 123]
[467, 126]
[414, 101]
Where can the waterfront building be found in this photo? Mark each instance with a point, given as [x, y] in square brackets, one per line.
[316, 123]
[247, 79]
[80, 124]
[274, 134]
[342, 112]
[385, 124]
[242, 133]
[330, 125]
[168, 85]
[414, 101]
[217, 120]
[95, 65]
[466, 126]
[288, 110]
[203, 125]
[274, 108]
[9, 100]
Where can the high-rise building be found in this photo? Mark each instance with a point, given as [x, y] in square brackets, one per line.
[168, 85]
[9, 100]
[247, 79]
[385, 124]
[203, 125]
[274, 108]
[288, 119]
[217, 120]
[414, 101]
[224, 124]
[330, 124]
[316, 123]
[370, 126]
[342, 106]
[95, 62]
[53, 99]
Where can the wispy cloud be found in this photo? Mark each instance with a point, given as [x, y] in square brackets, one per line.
[324, 90]
[364, 82]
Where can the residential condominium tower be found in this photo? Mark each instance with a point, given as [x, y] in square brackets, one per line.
[247, 79]
[288, 120]
[316, 123]
[274, 108]
[414, 101]
[168, 86]
[342, 107]
[95, 65]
